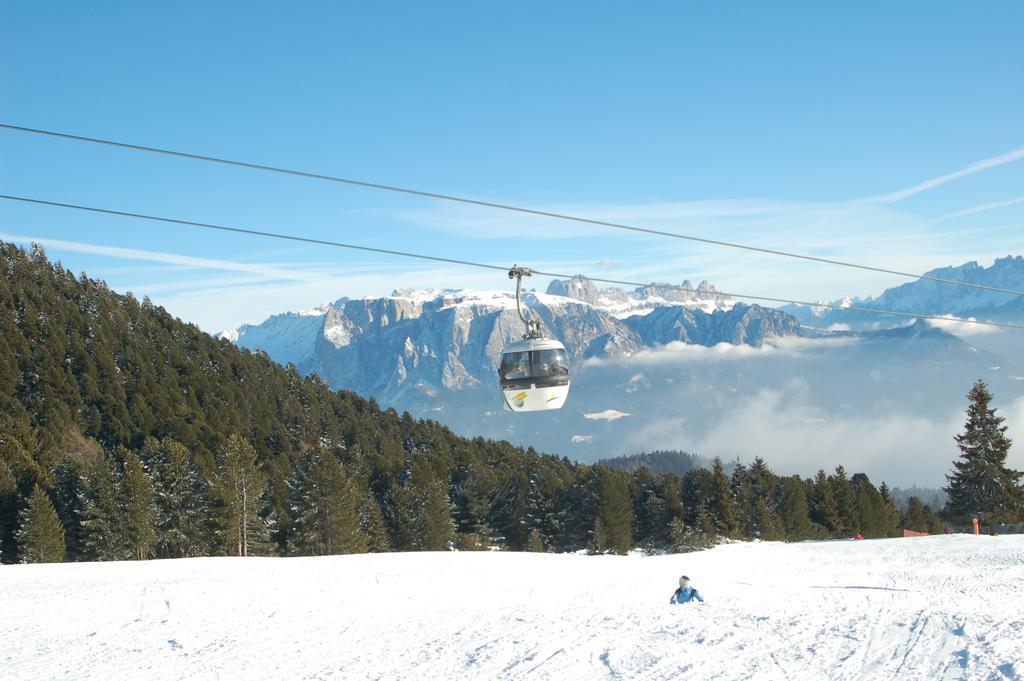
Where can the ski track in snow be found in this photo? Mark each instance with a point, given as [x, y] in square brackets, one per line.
[920, 608]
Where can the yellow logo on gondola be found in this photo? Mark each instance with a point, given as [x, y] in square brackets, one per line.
[552, 398]
[520, 399]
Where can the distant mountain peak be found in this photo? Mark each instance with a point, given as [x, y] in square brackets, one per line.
[643, 299]
[428, 340]
[933, 297]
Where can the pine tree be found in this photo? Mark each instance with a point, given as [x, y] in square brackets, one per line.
[105, 533]
[762, 479]
[890, 514]
[720, 502]
[931, 521]
[542, 493]
[19, 473]
[652, 519]
[846, 503]
[793, 509]
[68, 498]
[436, 528]
[41, 536]
[371, 524]
[768, 526]
[822, 505]
[579, 513]
[913, 517]
[422, 508]
[140, 509]
[981, 483]
[613, 525]
[240, 488]
[77, 453]
[474, 490]
[181, 497]
[746, 501]
[326, 507]
[871, 521]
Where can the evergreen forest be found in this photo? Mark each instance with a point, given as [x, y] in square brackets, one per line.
[128, 434]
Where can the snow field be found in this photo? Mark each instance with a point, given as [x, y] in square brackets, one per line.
[924, 608]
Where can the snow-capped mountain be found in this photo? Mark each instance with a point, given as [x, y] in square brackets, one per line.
[694, 371]
[933, 298]
[435, 340]
[642, 300]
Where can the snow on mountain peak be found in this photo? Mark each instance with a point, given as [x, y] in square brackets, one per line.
[642, 300]
[314, 311]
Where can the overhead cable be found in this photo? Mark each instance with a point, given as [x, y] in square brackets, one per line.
[503, 268]
[499, 206]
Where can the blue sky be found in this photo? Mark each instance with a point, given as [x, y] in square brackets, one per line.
[882, 133]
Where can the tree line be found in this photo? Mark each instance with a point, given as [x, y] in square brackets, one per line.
[128, 434]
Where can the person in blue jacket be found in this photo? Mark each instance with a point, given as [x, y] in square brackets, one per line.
[685, 593]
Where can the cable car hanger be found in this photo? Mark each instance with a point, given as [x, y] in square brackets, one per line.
[532, 326]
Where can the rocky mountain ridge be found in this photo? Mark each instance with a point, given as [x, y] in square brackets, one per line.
[932, 298]
[735, 380]
[436, 340]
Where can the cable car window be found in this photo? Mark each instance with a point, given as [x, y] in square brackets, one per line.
[550, 363]
[515, 365]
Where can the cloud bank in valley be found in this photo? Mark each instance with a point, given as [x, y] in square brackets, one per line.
[787, 429]
[678, 352]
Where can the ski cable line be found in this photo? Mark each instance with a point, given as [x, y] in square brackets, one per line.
[500, 206]
[502, 268]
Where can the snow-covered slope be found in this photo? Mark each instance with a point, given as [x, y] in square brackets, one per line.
[924, 608]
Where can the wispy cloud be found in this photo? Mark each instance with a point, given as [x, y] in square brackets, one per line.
[266, 271]
[974, 210]
[969, 169]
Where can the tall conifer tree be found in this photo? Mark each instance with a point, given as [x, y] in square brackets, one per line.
[793, 509]
[871, 519]
[371, 523]
[105, 533]
[913, 517]
[846, 503]
[140, 509]
[240, 488]
[768, 526]
[613, 525]
[326, 508]
[41, 536]
[721, 503]
[823, 507]
[980, 482]
[182, 499]
[890, 513]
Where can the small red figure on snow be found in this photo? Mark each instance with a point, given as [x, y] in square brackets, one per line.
[860, 536]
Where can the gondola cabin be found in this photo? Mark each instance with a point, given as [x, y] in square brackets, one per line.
[534, 375]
